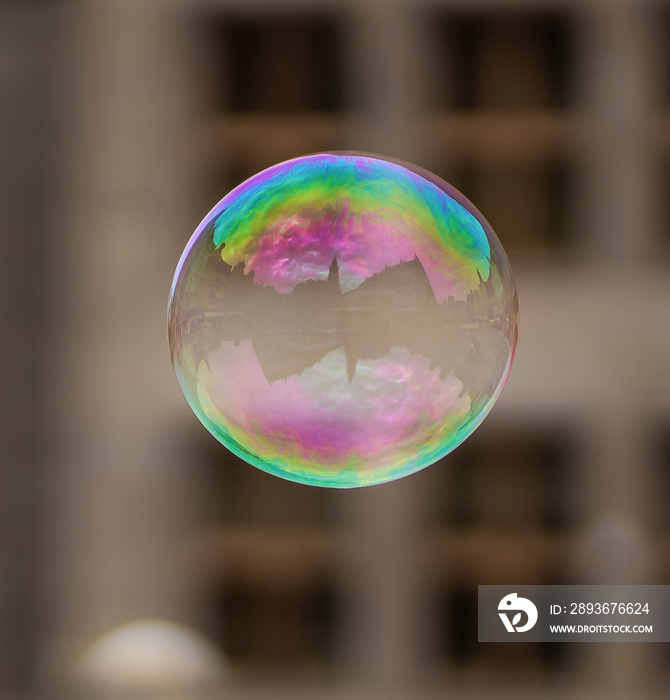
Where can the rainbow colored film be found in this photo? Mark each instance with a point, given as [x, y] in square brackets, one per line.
[342, 319]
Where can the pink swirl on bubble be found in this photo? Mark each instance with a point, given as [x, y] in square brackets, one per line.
[394, 400]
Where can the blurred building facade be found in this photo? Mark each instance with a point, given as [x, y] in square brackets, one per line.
[124, 123]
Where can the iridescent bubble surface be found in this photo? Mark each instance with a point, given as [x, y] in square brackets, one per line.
[342, 319]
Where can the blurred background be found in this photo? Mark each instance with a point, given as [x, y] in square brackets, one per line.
[138, 559]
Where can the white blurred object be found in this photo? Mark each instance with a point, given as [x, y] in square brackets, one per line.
[150, 659]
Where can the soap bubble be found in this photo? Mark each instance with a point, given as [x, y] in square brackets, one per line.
[342, 319]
